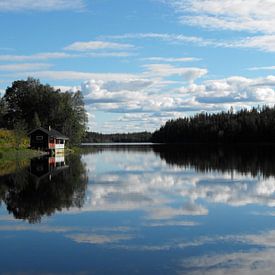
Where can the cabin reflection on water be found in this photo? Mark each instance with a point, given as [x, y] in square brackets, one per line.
[47, 185]
[47, 167]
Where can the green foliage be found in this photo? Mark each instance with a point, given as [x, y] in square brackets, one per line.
[9, 140]
[36, 121]
[255, 125]
[42, 105]
[19, 132]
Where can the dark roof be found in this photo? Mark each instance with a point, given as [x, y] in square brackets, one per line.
[51, 133]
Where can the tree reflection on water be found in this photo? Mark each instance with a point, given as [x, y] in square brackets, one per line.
[253, 159]
[46, 186]
[53, 184]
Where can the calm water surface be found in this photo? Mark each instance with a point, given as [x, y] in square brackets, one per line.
[140, 210]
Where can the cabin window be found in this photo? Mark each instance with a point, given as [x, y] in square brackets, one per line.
[59, 141]
[39, 138]
[51, 140]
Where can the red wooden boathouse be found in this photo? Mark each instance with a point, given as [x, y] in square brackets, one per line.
[47, 140]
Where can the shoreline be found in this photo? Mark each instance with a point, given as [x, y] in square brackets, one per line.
[21, 154]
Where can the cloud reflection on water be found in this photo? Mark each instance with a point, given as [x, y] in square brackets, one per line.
[173, 204]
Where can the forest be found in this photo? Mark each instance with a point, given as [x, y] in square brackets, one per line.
[28, 104]
[117, 137]
[244, 126]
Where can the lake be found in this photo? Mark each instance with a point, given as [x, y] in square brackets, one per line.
[140, 209]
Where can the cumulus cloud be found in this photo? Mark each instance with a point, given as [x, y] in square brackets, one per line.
[173, 193]
[145, 96]
[165, 70]
[235, 89]
[99, 91]
[67, 88]
[140, 95]
[41, 5]
[143, 101]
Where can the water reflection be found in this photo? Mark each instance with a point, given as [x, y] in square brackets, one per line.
[195, 176]
[46, 186]
[196, 210]
[253, 159]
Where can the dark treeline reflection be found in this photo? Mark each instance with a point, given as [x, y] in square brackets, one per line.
[95, 149]
[46, 186]
[243, 158]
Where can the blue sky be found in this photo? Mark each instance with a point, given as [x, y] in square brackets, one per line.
[142, 62]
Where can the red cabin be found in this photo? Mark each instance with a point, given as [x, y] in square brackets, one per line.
[48, 140]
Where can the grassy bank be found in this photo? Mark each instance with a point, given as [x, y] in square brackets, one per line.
[14, 147]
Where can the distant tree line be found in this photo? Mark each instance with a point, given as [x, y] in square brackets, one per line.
[28, 104]
[244, 126]
[118, 137]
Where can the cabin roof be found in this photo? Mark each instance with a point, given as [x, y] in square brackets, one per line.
[51, 133]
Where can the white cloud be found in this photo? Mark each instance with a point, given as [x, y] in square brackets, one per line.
[77, 75]
[72, 89]
[253, 262]
[108, 54]
[147, 100]
[189, 209]
[235, 90]
[171, 59]
[171, 223]
[262, 68]
[146, 103]
[38, 56]
[41, 5]
[99, 239]
[157, 193]
[97, 45]
[237, 15]
[172, 38]
[2, 92]
[262, 42]
[135, 95]
[165, 70]
[24, 66]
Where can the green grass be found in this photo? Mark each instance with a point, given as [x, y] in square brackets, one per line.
[11, 149]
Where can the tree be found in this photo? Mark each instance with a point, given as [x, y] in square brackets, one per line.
[36, 121]
[42, 105]
[3, 112]
[255, 125]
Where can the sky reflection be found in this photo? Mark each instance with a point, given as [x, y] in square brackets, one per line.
[141, 210]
